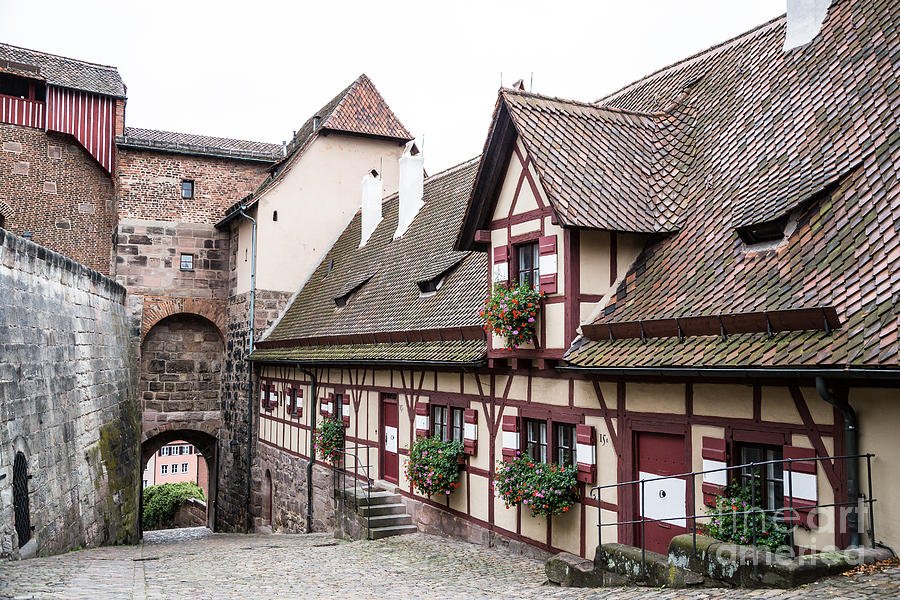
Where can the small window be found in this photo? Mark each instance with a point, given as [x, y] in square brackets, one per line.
[536, 440]
[187, 188]
[274, 215]
[565, 443]
[164, 469]
[145, 483]
[164, 451]
[187, 262]
[761, 233]
[528, 265]
[769, 479]
[338, 407]
[456, 424]
[184, 467]
[439, 422]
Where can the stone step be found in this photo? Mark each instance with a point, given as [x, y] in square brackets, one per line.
[381, 509]
[377, 533]
[389, 521]
[378, 498]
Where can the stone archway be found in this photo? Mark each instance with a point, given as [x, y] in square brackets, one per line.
[204, 439]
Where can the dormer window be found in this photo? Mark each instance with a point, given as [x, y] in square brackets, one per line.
[764, 233]
[342, 300]
[429, 287]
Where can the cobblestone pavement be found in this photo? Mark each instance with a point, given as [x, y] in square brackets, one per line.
[196, 564]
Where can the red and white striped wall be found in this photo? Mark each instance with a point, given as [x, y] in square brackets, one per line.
[21, 111]
[90, 118]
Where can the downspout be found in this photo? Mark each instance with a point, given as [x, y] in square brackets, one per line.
[852, 449]
[249, 364]
[312, 454]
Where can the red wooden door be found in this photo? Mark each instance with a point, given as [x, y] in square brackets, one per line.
[666, 499]
[390, 458]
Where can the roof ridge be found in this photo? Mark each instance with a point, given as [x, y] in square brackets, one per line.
[714, 48]
[591, 105]
[78, 60]
[218, 137]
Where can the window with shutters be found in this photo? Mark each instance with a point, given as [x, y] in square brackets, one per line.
[337, 406]
[535, 440]
[439, 422]
[564, 443]
[528, 265]
[456, 424]
[768, 479]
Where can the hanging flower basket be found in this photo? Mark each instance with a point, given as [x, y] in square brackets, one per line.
[329, 440]
[511, 312]
[547, 489]
[433, 466]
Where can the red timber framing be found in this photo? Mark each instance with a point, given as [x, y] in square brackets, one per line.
[489, 393]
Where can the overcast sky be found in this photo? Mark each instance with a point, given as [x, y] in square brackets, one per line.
[256, 70]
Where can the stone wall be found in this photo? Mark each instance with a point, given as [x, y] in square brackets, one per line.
[50, 186]
[68, 402]
[231, 511]
[191, 513]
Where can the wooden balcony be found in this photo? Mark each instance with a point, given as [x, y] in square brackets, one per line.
[21, 111]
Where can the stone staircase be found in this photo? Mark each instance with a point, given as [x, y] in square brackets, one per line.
[386, 514]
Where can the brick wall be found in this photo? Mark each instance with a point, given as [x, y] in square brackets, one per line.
[150, 185]
[69, 404]
[51, 187]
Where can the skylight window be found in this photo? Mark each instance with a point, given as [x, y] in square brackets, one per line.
[764, 233]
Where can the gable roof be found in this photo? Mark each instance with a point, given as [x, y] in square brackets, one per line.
[812, 132]
[387, 311]
[359, 109]
[189, 143]
[61, 71]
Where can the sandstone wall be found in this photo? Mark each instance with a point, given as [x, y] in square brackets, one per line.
[68, 402]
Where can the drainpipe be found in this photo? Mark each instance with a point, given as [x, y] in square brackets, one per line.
[312, 453]
[250, 365]
[852, 449]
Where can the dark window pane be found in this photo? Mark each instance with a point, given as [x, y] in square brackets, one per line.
[565, 444]
[528, 265]
[456, 424]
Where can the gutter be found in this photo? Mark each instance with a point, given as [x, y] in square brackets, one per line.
[738, 373]
[371, 362]
[250, 369]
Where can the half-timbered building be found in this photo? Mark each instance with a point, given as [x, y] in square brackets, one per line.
[717, 246]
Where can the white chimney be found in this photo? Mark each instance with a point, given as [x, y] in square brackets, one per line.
[371, 205]
[804, 21]
[411, 188]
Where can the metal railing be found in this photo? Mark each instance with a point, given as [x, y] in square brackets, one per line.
[339, 472]
[792, 519]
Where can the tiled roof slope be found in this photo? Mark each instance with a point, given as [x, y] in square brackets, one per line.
[449, 351]
[65, 72]
[389, 300]
[198, 144]
[357, 109]
[606, 168]
[773, 130]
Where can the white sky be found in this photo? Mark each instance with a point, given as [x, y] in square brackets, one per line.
[256, 70]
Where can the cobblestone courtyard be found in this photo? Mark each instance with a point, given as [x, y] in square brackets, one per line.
[195, 564]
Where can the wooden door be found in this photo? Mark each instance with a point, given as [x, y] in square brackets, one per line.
[666, 499]
[390, 458]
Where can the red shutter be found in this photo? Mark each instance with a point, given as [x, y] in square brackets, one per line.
[263, 395]
[470, 431]
[422, 425]
[500, 274]
[713, 454]
[328, 405]
[289, 401]
[800, 482]
[547, 252]
[586, 453]
[510, 437]
[345, 411]
[273, 397]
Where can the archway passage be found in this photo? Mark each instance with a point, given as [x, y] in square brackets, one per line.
[181, 365]
[206, 445]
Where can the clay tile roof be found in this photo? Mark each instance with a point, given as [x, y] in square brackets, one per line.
[61, 71]
[389, 299]
[189, 143]
[812, 132]
[605, 168]
[358, 109]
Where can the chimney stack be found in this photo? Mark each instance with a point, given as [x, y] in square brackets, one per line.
[371, 205]
[804, 21]
[411, 187]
